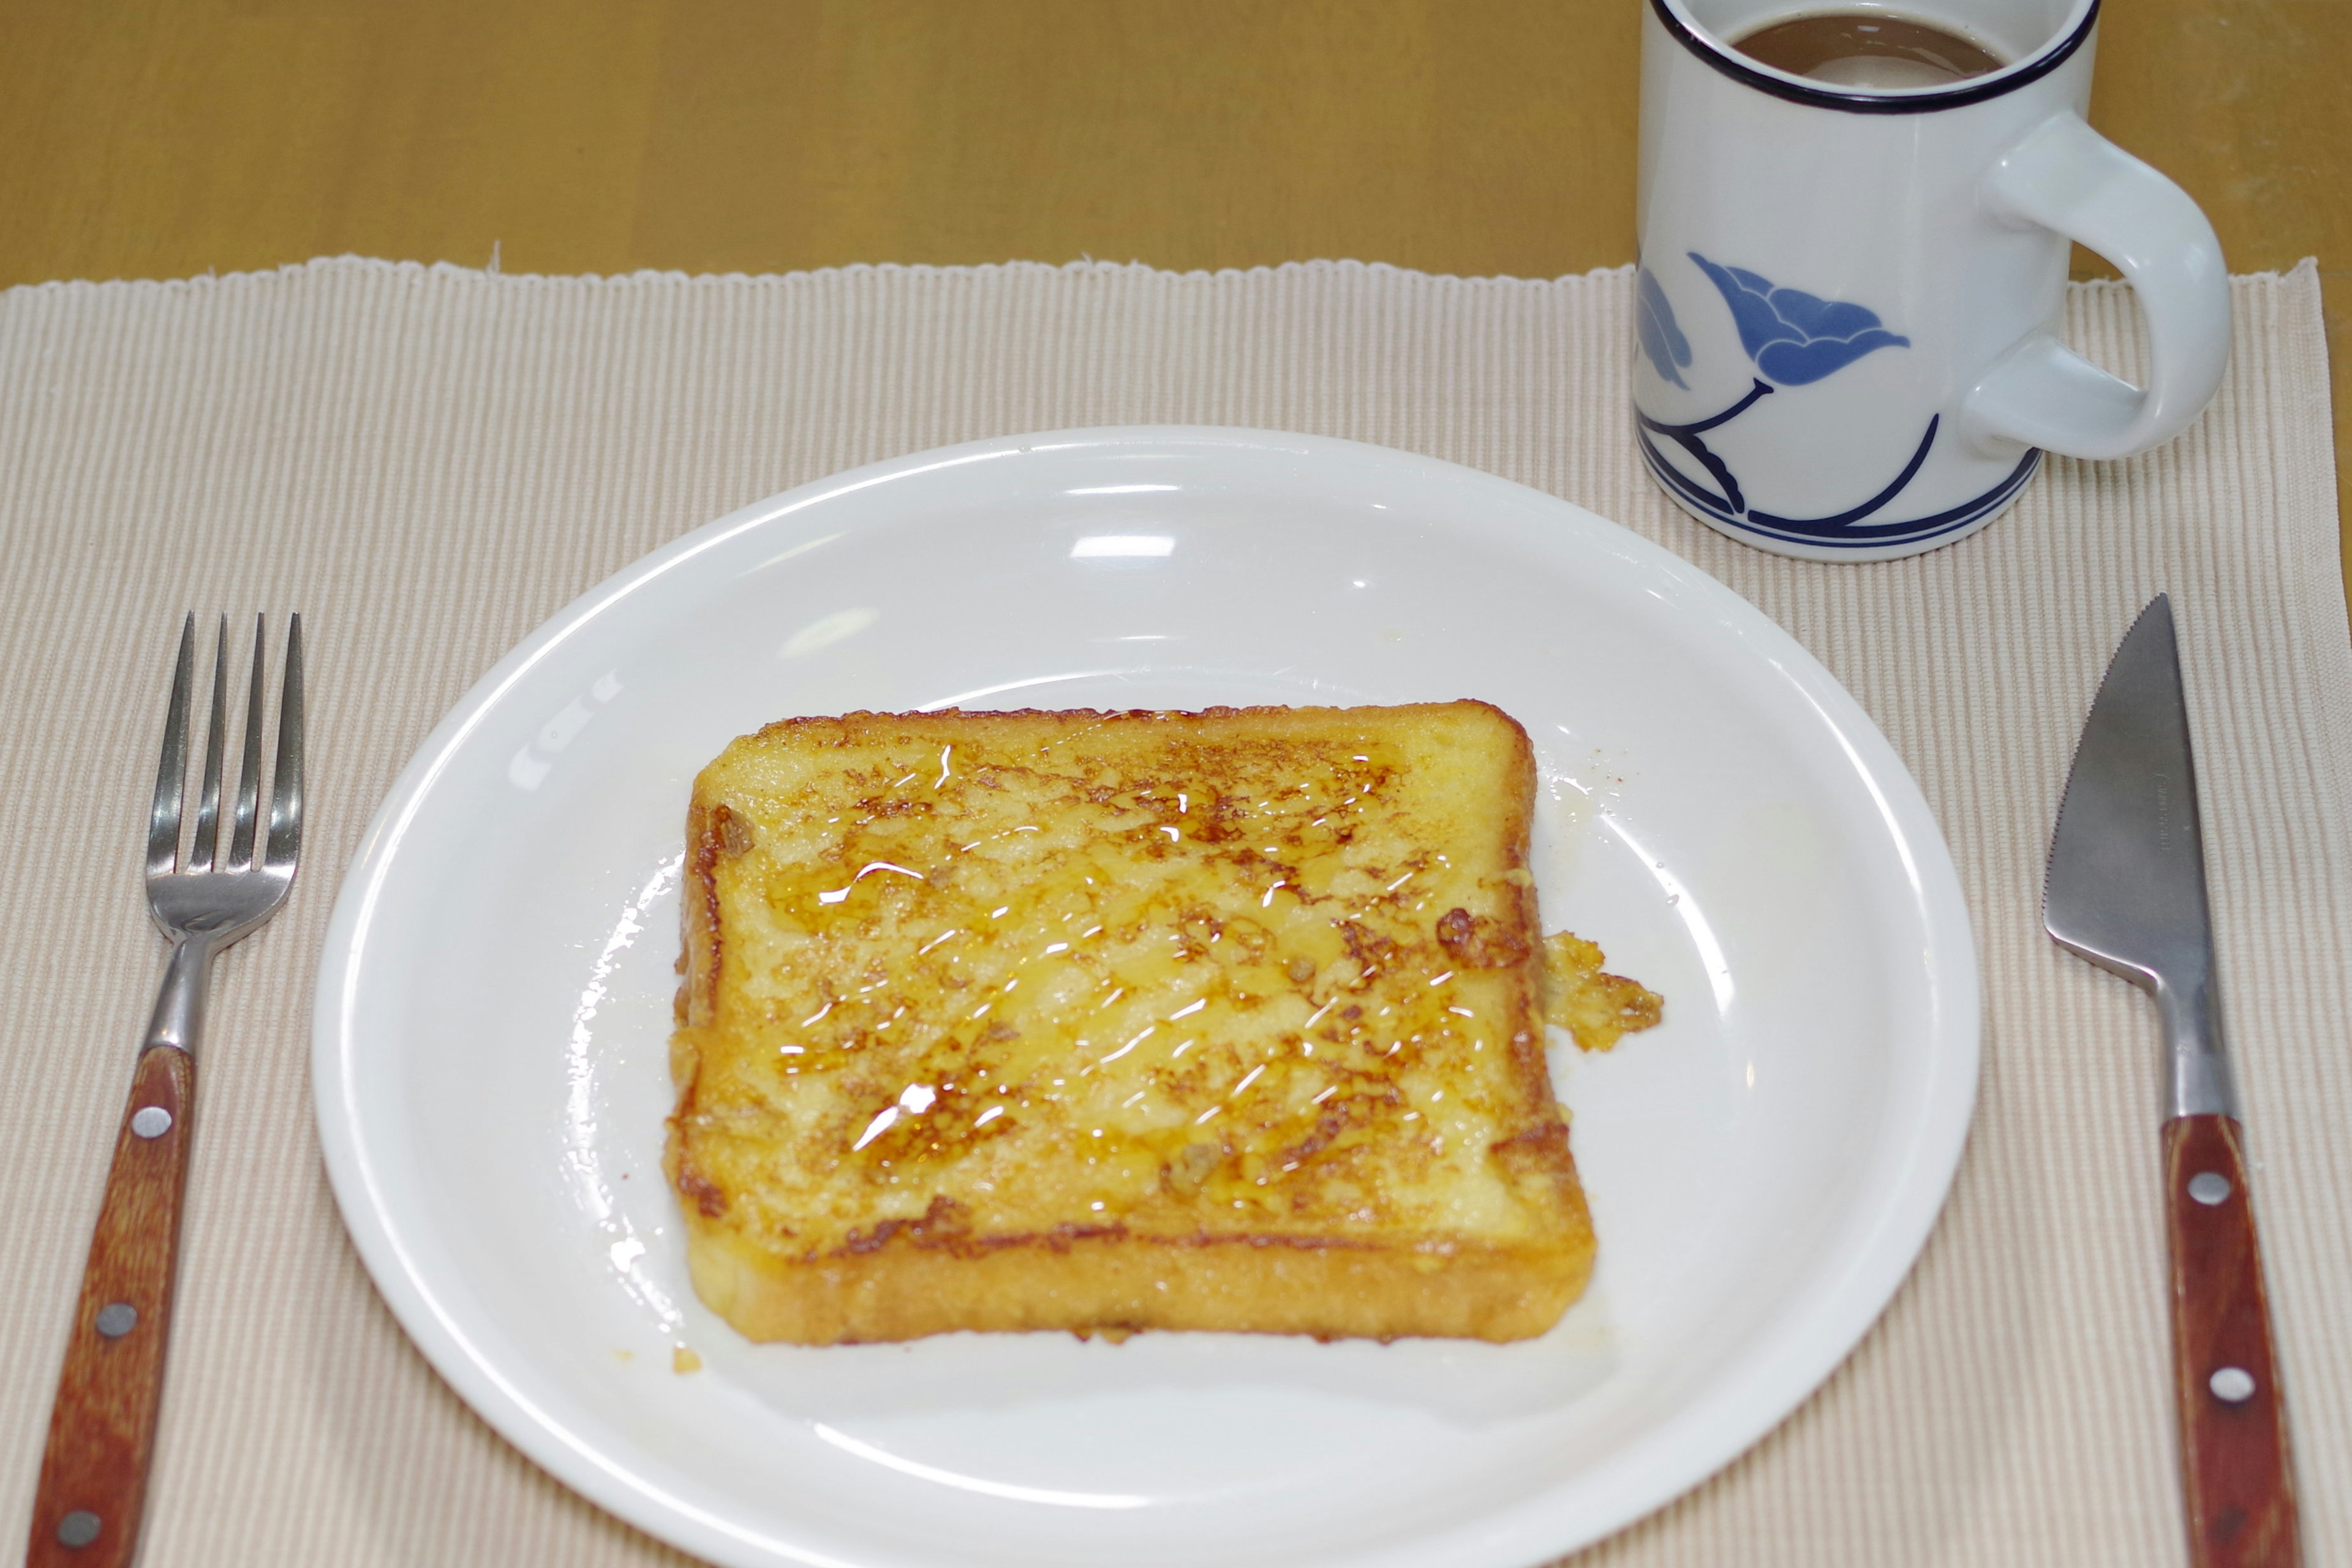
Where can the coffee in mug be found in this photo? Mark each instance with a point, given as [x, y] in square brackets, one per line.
[1868, 48]
[1848, 298]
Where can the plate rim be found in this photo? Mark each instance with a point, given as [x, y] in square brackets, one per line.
[1741, 1410]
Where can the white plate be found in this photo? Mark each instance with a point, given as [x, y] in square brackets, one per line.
[1716, 812]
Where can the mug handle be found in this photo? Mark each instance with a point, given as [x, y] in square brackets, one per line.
[2063, 175]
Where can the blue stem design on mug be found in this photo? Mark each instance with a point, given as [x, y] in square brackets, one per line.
[1794, 338]
[1857, 513]
[1687, 437]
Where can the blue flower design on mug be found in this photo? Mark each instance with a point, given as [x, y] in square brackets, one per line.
[1793, 337]
[1662, 340]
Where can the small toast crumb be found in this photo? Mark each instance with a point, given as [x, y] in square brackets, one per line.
[1596, 1009]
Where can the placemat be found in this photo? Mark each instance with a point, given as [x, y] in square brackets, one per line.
[428, 461]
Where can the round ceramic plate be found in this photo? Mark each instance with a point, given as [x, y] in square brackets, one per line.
[1714, 811]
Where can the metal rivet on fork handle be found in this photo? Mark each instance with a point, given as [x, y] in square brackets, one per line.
[151, 1121]
[77, 1528]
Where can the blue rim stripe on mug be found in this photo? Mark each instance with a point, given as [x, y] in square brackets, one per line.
[1698, 498]
[1977, 91]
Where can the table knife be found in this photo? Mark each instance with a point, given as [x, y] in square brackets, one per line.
[2126, 891]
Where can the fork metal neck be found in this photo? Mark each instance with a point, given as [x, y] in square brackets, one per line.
[179, 1017]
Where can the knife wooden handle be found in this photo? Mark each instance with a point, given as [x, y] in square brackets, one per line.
[2234, 1467]
[102, 1428]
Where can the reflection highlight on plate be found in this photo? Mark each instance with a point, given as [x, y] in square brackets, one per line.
[962, 699]
[803, 547]
[849, 1445]
[827, 630]
[1678, 899]
[530, 766]
[583, 1159]
[1124, 546]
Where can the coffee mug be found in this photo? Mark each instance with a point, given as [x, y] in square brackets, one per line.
[1848, 302]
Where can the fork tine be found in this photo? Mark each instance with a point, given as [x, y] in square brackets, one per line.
[286, 780]
[172, 772]
[204, 853]
[248, 778]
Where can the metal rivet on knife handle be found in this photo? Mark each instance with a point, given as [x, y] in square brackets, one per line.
[2208, 1187]
[2233, 1384]
[151, 1121]
[77, 1528]
[117, 1318]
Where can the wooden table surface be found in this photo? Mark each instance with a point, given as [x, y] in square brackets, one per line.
[164, 138]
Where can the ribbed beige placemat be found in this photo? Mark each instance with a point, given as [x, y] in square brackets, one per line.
[428, 462]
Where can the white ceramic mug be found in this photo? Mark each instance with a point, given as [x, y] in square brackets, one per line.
[1848, 299]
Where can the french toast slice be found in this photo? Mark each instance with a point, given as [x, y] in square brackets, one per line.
[1106, 1022]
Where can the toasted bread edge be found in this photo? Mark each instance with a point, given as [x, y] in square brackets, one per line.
[906, 1288]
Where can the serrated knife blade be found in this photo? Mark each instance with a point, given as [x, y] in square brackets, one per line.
[2125, 890]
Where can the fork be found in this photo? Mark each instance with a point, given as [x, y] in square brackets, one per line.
[93, 1480]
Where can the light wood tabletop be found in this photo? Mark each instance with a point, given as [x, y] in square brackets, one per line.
[151, 139]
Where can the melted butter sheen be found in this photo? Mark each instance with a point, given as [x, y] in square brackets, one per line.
[1113, 978]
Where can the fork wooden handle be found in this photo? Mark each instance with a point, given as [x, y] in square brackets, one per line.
[102, 1428]
[2234, 1467]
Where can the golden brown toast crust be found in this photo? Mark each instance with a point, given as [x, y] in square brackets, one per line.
[1225, 1020]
